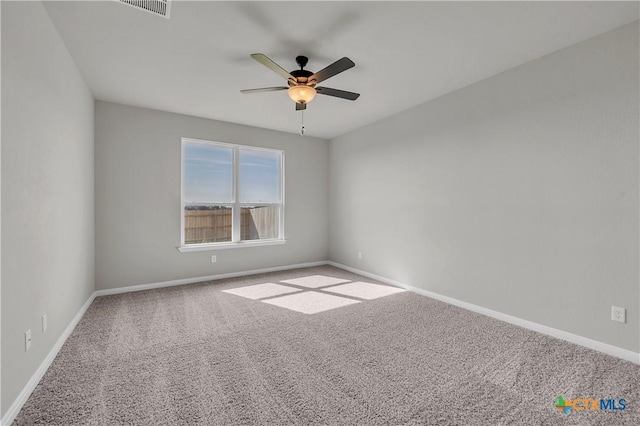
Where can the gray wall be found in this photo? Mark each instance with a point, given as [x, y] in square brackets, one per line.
[138, 197]
[518, 193]
[47, 191]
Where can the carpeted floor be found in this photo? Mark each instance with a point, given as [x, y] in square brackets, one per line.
[197, 355]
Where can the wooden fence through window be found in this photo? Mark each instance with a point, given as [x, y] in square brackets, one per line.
[209, 226]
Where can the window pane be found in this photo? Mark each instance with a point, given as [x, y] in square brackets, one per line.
[208, 174]
[260, 222]
[207, 224]
[259, 176]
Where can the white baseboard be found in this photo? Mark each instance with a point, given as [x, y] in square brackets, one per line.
[559, 334]
[15, 408]
[141, 287]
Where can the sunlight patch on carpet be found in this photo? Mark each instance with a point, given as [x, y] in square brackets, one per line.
[310, 302]
[363, 290]
[260, 291]
[315, 281]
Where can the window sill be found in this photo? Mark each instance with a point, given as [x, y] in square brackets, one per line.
[224, 246]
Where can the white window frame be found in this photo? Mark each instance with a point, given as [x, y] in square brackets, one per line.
[236, 204]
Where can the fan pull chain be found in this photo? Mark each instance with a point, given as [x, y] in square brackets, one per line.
[302, 124]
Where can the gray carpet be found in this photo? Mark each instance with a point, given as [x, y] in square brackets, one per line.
[196, 355]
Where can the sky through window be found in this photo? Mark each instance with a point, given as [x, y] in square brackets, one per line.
[208, 175]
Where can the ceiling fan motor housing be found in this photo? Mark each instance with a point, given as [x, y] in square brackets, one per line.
[302, 76]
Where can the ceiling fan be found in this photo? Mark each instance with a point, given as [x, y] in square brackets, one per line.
[302, 83]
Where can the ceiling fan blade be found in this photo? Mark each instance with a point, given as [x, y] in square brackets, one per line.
[338, 93]
[300, 106]
[272, 66]
[335, 68]
[264, 89]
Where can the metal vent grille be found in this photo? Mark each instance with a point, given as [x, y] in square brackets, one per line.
[157, 7]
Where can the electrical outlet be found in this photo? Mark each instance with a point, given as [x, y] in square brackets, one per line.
[44, 323]
[27, 340]
[214, 259]
[618, 314]
[359, 255]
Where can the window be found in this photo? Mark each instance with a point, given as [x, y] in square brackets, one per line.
[232, 195]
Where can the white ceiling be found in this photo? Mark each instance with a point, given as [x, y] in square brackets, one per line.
[406, 53]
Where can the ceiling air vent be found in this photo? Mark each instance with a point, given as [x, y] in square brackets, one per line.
[157, 7]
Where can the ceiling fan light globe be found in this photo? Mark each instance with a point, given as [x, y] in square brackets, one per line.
[302, 94]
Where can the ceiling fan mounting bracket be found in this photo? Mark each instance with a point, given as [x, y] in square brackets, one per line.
[302, 61]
